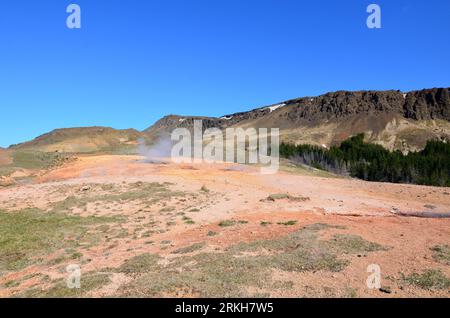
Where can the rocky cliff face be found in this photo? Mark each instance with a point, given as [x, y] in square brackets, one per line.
[417, 105]
[332, 117]
[428, 104]
[344, 104]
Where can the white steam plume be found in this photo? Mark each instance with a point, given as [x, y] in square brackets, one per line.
[159, 152]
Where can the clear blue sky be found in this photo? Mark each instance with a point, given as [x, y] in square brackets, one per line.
[135, 61]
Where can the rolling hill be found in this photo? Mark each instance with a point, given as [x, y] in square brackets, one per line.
[83, 140]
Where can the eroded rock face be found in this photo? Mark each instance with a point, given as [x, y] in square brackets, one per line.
[343, 104]
[428, 104]
[418, 105]
[335, 116]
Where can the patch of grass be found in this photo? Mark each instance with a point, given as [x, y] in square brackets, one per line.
[430, 279]
[194, 210]
[277, 196]
[353, 244]
[285, 196]
[12, 283]
[299, 251]
[30, 232]
[149, 192]
[351, 292]
[283, 285]
[16, 283]
[147, 234]
[107, 187]
[441, 253]
[188, 220]
[89, 282]
[38, 160]
[69, 203]
[6, 171]
[140, 264]
[190, 249]
[231, 273]
[212, 233]
[57, 261]
[204, 189]
[288, 223]
[167, 209]
[76, 255]
[265, 223]
[227, 223]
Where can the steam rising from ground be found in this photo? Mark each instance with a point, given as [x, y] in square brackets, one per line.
[158, 152]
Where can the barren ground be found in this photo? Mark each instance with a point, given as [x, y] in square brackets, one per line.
[222, 230]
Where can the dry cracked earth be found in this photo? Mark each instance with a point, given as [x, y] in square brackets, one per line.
[219, 230]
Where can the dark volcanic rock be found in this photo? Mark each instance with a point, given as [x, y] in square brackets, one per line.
[343, 104]
[418, 105]
[354, 112]
[428, 104]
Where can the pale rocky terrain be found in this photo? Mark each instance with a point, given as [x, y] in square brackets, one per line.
[218, 230]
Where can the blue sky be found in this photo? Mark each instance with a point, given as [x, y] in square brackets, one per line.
[135, 61]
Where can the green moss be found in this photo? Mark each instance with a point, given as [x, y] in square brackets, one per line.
[288, 223]
[352, 244]
[190, 249]
[204, 189]
[140, 264]
[231, 273]
[167, 209]
[441, 253]
[148, 192]
[5, 171]
[430, 279]
[30, 232]
[188, 220]
[285, 196]
[37, 159]
[88, 282]
[227, 223]
[12, 283]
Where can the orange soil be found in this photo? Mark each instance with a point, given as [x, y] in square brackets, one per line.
[365, 209]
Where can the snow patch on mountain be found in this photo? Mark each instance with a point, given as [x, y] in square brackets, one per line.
[275, 107]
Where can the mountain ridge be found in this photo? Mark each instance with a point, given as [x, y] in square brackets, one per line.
[414, 104]
[395, 119]
[332, 117]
